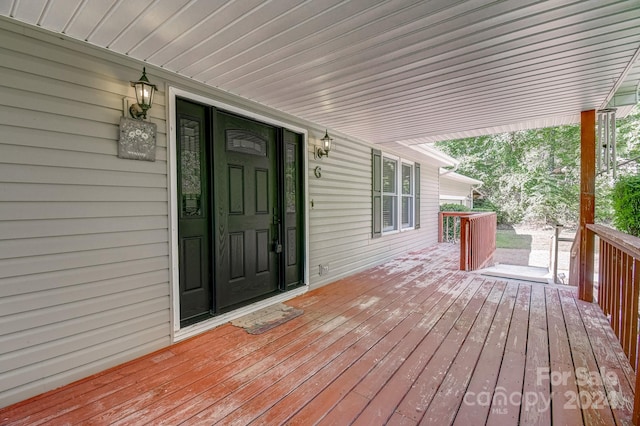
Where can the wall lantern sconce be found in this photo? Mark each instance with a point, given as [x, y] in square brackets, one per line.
[325, 147]
[144, 96]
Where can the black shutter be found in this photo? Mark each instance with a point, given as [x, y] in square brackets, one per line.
[417, 197]
[376, 193]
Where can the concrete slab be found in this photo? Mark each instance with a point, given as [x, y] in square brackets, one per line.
[519, 272]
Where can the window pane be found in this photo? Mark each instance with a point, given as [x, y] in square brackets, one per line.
[389, 209]
[389, 172]
[407, 181]
[407, 212]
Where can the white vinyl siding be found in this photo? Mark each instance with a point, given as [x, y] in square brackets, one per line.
[84, 267]
[341, 219]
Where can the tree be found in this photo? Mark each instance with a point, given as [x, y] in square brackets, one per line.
[534, 175]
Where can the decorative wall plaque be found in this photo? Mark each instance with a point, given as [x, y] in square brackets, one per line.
[137, 140]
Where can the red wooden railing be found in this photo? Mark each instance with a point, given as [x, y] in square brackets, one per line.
[618, 292]
[476, 233]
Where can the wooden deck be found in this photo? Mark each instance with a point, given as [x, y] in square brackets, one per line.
[413, 341]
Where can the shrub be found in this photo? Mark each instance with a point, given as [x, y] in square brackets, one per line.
[452, 207]
[484, 205]
[626, 204]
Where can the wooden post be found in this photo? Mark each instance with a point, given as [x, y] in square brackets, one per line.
[587, 202]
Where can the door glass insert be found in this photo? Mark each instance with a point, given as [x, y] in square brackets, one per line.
[191, 170]
[239, 140]
[290, 175]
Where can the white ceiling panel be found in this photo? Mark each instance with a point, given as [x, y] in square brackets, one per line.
[146, 25]
[385, 71]
[29, 11]
[88, 17]
[110, 29]
[56, 15]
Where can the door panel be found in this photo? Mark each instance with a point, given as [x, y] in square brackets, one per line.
[246, 203]
[194, 217]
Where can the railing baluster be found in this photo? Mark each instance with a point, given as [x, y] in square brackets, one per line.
[615, 311]
[627, 305]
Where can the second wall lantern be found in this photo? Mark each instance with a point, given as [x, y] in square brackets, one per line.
[326, 143]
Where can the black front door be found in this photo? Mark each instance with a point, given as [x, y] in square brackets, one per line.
[240, 210]
[246, 199]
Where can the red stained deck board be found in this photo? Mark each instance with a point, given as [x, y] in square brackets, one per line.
[310, 388]
[338, 387]
[244, 394]
[355, 354]
[594, 412]
[419, 396]
[385, 402]
[561, 377]
[346, 412]
[608, 354]
[386, 367]
[413, 310]
[511, 375]
[311, 369]
[484, 378]
[535, 408]
[448, 398]
[426, 315]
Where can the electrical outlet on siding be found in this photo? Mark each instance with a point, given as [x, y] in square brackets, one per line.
[323, 269]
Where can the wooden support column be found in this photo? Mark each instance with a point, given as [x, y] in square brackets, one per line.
[587, 202]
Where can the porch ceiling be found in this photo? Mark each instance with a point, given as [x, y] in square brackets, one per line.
[384, 71]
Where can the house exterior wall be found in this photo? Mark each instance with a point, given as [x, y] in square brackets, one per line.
[85, 239]
[340, 219]
[451, 191]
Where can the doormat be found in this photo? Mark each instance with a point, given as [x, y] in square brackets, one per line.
[265, 319]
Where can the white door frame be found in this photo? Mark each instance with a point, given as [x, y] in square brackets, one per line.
[177, 332]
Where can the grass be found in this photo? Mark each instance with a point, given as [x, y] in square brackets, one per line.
[510, 240]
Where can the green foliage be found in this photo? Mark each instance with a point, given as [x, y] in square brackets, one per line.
[604, 200]
[529, 176]
[626, 204]
[485, 205]
[533, 176]
[452, 207]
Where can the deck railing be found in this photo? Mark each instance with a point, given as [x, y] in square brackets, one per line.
[618, 292]
[476, 233]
